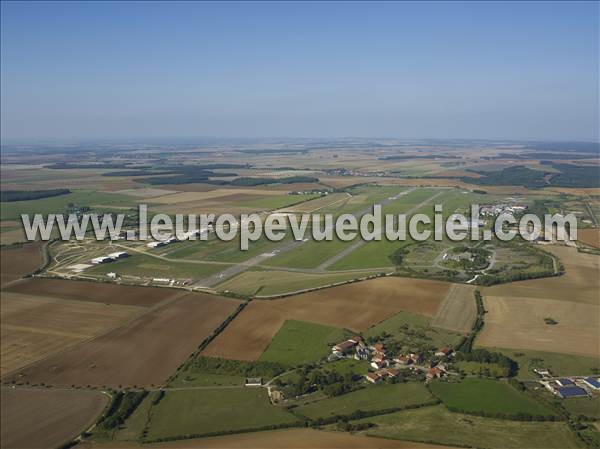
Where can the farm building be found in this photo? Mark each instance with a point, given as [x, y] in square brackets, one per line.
[444, 352]
[253, 381]
[118, 255]
[565, 382]
[594, 384]
[373, 378]
[344, 347]
[101, 259]
[571, 392]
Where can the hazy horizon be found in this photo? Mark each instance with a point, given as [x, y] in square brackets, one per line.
[481, 71]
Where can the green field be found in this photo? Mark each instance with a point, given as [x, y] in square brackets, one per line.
[198, 412]
[300, 342]
[309, 254]
[373, 397]
[485, 369]
[58, 204]
[558, 364]
[436, 424]
[589, 407]
[265, 283]
[475, 395]
[345, 366]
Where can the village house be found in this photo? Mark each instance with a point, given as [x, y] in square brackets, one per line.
[373, 378]
[379, 364]
[435, 372]
[344, 347]
[389, 372]
[444, 352]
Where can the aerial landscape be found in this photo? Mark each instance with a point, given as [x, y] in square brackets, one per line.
[219, 336]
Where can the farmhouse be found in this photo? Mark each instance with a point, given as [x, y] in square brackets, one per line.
[389, 372]
[373, 378]
[344, 347]
[444, 352]
[435, 372]
[379, 364]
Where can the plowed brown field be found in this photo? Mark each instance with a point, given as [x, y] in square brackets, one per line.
[94, 291]
[143, 352]
[36, 418]
[354, 306]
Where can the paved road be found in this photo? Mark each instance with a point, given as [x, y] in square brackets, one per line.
[217, 278]
[346, 251]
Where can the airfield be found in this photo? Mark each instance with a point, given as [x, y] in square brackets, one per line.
[183, 326]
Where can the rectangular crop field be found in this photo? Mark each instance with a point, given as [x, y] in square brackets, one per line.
[300, 342]
[355, 306]
[474, 395]
[204, 411]
[436, 424]
[34, 327]
[375, 397]
[162, 338]
[94, 291]
[39, 419]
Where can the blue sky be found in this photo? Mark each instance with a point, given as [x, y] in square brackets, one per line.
[409, 70]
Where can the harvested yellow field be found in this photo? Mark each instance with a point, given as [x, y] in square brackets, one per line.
[187, 197]
[516, 311]
[580, 283]
[34, 327]
[518, 322]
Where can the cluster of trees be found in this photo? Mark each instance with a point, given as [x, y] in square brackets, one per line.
[569, 175]
[312, 379]
[397, 257]
[511, 176]
[122, 406]
[576, 176]
[520, 416]
[264, 181]
[236, 367]
[346, 426]
[101, 165]
[26, 195]
[485, 356]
